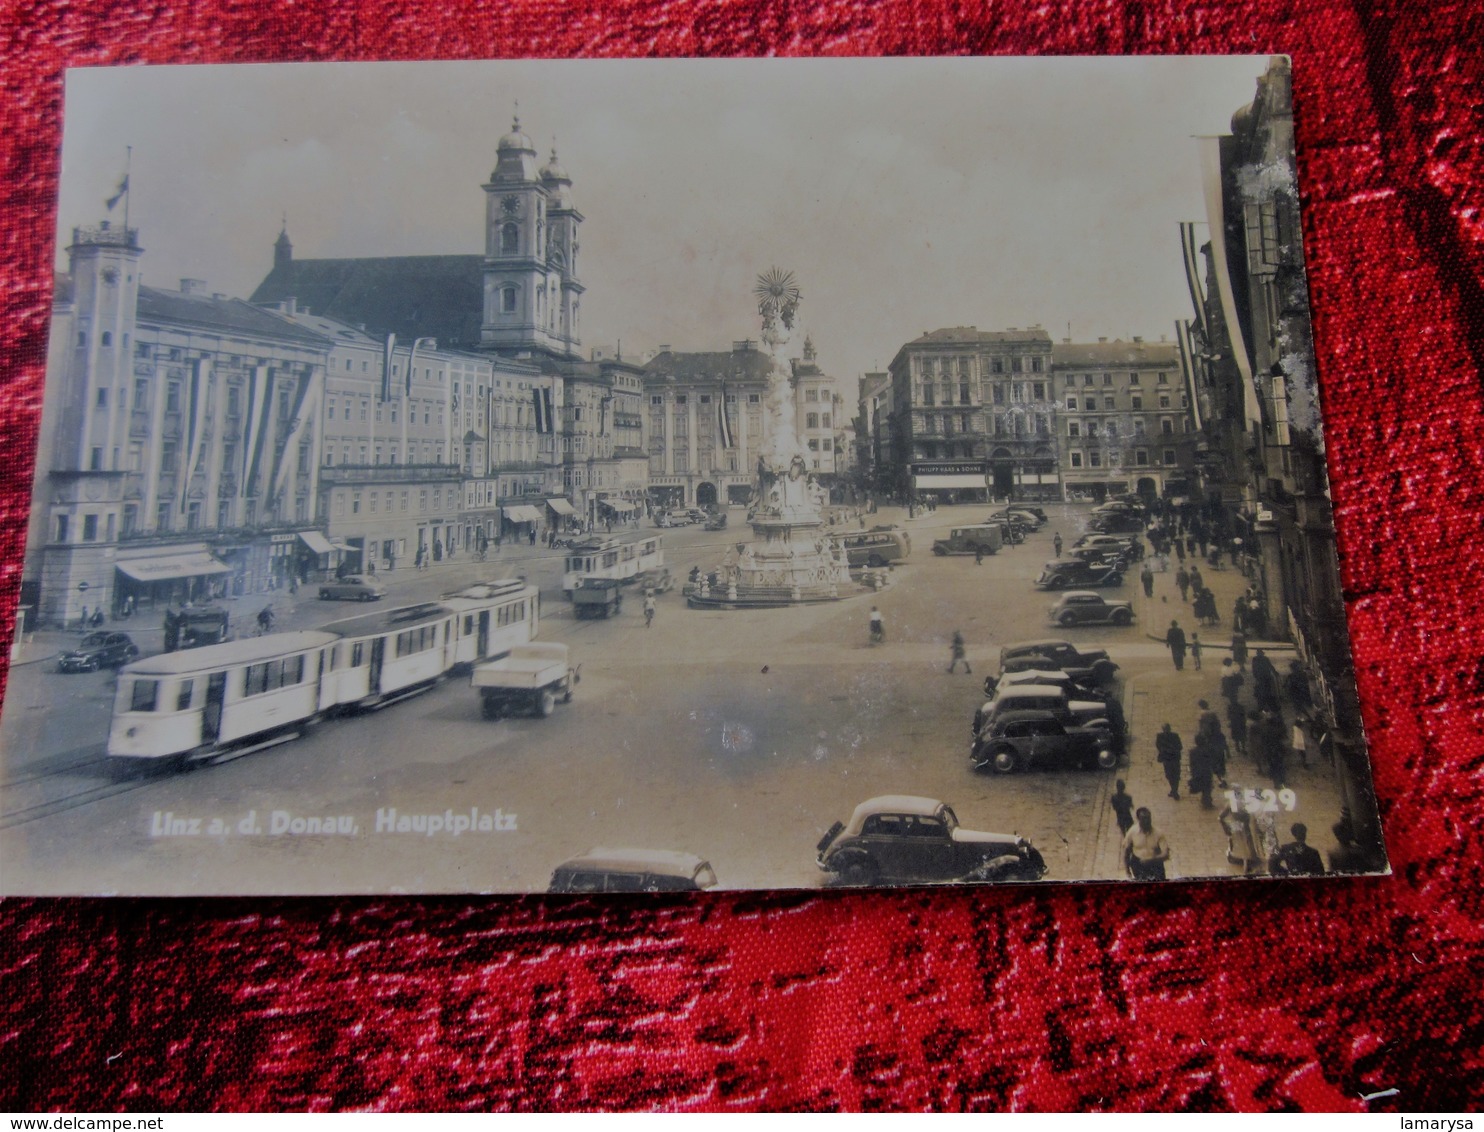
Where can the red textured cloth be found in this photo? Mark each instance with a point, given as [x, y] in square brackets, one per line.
[1215, 996]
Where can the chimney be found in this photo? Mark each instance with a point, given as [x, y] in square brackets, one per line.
[193, 286]
[291, 305]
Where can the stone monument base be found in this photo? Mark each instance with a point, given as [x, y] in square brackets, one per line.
[795, 564]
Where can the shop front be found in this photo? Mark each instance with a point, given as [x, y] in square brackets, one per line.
[155, 576]
[950, 481]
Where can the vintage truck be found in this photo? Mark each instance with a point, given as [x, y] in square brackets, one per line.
[597, 597]
[532, 676]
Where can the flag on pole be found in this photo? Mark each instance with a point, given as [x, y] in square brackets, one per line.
[1187, 367]
[544, 416]
[723, 426]
[420, 344]
[305, 410]
[259, 408]
[196, 387]
[386, 368]
[1193, 274]
[118, 193]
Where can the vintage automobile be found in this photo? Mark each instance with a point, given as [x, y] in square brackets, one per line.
[534, 675]
[98, 650]
[1116, 543]
[597, 598]
[984, 538]
[1115, 522]
[716, 521]
[681, 517]
[1066, 572]
[1083, 607]
[1081, 665]
[656, 581]
[633, 870]
[352, 587]
[1068, 705]
[1023, 740]
[908, 839]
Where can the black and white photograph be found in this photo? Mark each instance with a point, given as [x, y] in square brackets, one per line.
[581, 477]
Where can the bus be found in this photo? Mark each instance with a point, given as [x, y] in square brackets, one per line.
[619, 557]
[880, 546]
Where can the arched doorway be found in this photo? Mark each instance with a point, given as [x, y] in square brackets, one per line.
[1002, 468]
[1148, 489]
[705, 495]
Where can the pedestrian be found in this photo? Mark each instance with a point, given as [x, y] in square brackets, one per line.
[1195, 650]
[958, 654]
[1197, 583]
[878, 626]
[1265, 682]
[1056, 543]
[1175, 638]
[1123, 808]
[1300, 740]
[1298, 858]
[1179, 550]
[1239, 649]
[1201, 770]
[1145, 849]
[265, 619]
[1167, 746]
[1146, 575]
[1273, 742]
[533, 534]
[1236, 723]
[84, 622]
[648, 608]
[979, 554]
[1182, 579]
[1296, 688]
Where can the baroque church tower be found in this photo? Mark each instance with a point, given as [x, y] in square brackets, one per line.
[532, 296]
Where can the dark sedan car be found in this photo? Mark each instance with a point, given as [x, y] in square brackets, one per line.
[1081, 665]
[98, 650]
[1019, 740]
[907, 839]
[1067, 572]
[1083, 607]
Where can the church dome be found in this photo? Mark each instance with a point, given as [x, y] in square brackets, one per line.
[515, 139]
[555, 178]
[554, 170]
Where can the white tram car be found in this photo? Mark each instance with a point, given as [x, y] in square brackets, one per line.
[620, 557]
[244, 695]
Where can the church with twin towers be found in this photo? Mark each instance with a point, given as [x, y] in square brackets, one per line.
[367, 412]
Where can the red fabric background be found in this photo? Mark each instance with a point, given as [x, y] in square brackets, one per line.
[1201, 996]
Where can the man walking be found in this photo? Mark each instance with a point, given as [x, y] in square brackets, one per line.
[1182, 579]
[1146, 575]
[1298, 858]
[1231, 681]
[1145, 849]
[978, 554]
[1264, 682]
[1167, 746]
[1195, 650]
[1123, 808]
[1239, 649]
[1175, 638]
[958, 654]
[648, 608]
[1056, 543]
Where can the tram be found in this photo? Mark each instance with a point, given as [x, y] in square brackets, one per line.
[222, 701]
[619, 557]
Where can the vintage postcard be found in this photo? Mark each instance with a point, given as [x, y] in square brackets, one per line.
[741, 474]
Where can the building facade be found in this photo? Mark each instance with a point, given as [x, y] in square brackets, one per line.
[181, 447]
[974, 416]
[1124, 418]
[817, 414]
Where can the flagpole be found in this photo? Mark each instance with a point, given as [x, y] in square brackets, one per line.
[128, 169]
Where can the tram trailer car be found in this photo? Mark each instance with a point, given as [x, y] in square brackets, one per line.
[493, 617]
[201, 703]
[619, 557]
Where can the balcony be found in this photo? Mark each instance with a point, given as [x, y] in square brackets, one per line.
[336, 474]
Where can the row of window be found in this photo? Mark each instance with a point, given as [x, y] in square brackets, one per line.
[448, 497]
[421, 639]
[1094, 459]
[705, 398]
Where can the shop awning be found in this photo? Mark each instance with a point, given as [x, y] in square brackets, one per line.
[316, 542]
[168, 567]
[620, 506]
[522, 513]
[959, 481]
[561, 507]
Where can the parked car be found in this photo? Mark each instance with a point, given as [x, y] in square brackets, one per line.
[1092, 665]
[98, 650]
[1025, 740]
[1064, 703]
[1083, 607]
[986, 538]
[908, 839]
[1116, 522]
[352, 587]
[1066, 572]
[633, 870]
[1031, 509]
[1118, 543]
[716, 521]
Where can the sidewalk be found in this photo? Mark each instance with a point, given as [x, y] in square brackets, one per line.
[1159, 694]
